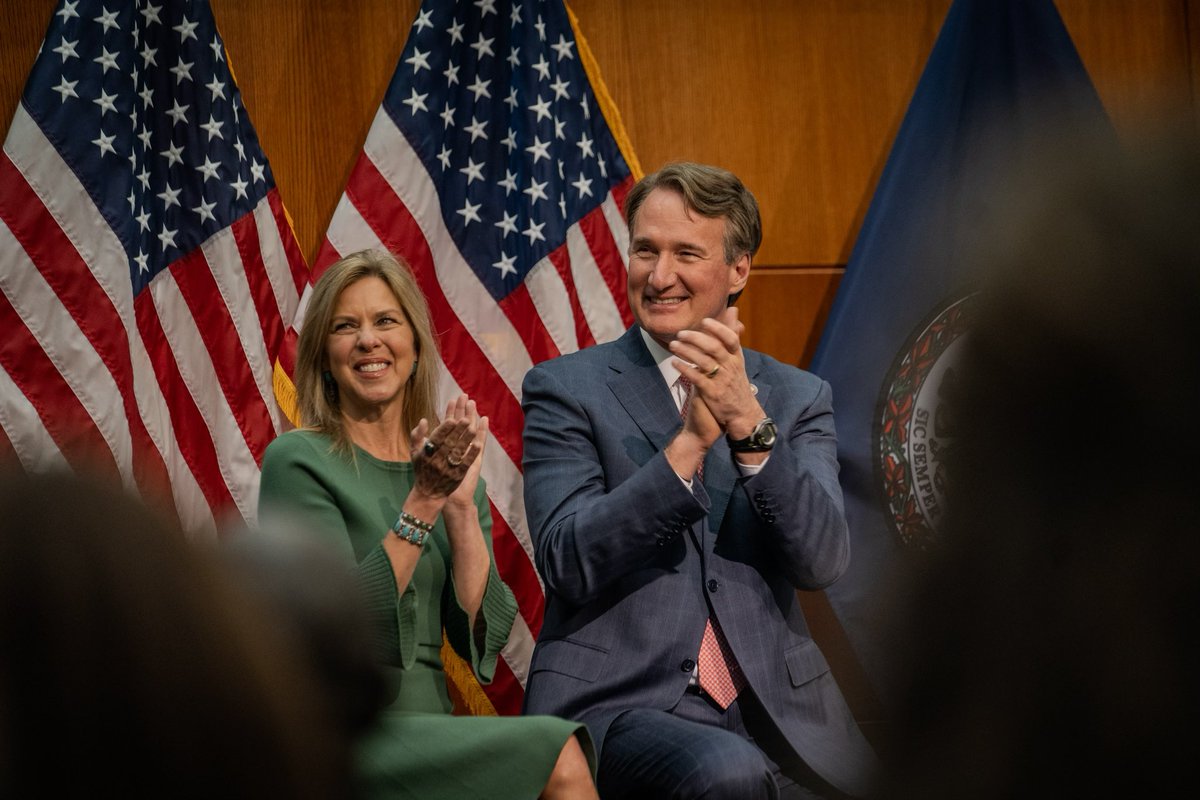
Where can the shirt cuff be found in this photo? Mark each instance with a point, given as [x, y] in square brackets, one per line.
[751, 469]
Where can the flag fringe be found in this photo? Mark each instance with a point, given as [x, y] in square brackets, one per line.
[285, 394]
[463, 687]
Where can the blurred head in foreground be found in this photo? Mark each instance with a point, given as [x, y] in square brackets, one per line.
[132, 665]
[1052, 645]
[319, 607]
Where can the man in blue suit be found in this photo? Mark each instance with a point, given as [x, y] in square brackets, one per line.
[679, 489]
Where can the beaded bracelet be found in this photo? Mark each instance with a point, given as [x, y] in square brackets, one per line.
[412, 530]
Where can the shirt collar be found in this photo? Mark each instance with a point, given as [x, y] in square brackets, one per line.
[662, 357]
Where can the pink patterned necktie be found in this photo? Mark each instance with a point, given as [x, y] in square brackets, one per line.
[683, 412]
[718, 672]
[720, 676]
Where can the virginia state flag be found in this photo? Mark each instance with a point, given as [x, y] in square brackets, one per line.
[1003, 75]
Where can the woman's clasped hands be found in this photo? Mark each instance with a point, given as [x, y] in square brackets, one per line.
[446, 460]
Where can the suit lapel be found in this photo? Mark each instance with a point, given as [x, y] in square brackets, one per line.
[638, 385]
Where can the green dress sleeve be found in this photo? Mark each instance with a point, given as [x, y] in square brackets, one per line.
[496, 613]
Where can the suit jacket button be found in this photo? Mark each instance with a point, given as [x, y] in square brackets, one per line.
[688, 665]
[713, 584]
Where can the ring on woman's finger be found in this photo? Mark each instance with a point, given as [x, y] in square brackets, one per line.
[712, 373]
[430, 447]
[454, 463]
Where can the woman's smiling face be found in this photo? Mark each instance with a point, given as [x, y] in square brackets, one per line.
[370, 348]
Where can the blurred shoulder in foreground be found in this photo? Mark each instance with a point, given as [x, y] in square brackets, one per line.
[1051, 641]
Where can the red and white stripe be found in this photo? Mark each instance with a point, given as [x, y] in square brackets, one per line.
[171, 390]
[571, 299]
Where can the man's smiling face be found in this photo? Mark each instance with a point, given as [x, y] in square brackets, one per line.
[677, 269]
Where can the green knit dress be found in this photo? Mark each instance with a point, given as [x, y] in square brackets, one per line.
[418, 749]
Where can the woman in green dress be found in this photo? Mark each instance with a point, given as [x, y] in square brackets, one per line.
[399, 494]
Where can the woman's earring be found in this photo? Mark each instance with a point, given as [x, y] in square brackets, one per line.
[413, 374]
[330, 385]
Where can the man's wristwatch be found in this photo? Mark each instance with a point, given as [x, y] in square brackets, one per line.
[760, 440]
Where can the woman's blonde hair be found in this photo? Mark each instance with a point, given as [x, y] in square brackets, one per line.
[318, 395]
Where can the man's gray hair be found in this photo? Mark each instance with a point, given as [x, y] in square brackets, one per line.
[710, 192]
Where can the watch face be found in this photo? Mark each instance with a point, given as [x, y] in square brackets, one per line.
[760, 439]
[765, 434]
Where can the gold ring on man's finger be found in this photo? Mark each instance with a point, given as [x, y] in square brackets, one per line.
[712, 373]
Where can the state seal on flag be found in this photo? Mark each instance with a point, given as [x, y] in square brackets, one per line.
[914, 429]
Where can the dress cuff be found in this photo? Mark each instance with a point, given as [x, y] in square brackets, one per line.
[497, 611]
[393, 615]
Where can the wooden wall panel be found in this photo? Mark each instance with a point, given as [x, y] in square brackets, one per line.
[22, 25]
[784, 309]
[799, 99]
[1137, 54]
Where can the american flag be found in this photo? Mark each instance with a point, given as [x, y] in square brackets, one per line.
[147, 268]
[493, 167]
